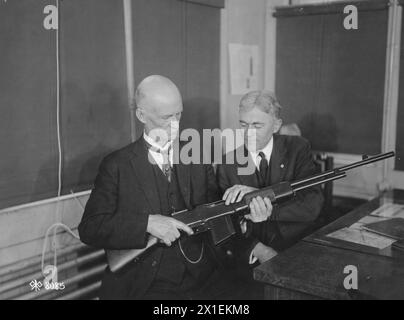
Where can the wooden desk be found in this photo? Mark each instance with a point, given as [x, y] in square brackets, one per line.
[313, 268]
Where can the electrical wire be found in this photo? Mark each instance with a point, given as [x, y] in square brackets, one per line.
[54, 227]
[58, 105]
[57, 225]
[58, 217]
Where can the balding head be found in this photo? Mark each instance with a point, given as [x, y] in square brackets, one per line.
[157, 92]
[159, 104]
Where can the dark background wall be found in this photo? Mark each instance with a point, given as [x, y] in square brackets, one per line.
[178, 39]
[182, 41]
[400, 115]
[331, 80]
[27, 103]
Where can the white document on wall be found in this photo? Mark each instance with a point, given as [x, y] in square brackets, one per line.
[243, 68]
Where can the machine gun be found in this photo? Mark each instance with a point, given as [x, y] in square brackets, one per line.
[207, 217]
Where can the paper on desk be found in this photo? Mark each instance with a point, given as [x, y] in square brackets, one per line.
[389, 210]
[366, 220]
[363, 237]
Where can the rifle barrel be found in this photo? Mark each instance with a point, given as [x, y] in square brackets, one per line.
[366, 161]
[372, 159]
[315, 177]
[315, 183]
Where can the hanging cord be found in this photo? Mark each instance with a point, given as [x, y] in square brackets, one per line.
[185, 256]
[59, 143]
[54, 227]
[58, 106]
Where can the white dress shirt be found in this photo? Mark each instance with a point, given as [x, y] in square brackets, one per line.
[157, 156]
[267, 150]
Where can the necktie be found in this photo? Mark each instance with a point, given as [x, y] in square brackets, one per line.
[263, 169]
[166, 167]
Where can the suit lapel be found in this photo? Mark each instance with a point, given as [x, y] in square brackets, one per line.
[183, 174]
[184, 181]
[144, 173]
[278, 160]
[246, 179]
[249, 180]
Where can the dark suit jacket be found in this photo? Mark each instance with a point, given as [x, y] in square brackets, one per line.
[290, 160]
[116, 214]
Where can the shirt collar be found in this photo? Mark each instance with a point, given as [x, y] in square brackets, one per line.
[267, 150]
[153, 143]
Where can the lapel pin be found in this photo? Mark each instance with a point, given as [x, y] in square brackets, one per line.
[282, 166]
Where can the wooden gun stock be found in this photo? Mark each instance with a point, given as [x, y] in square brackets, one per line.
[119, 258]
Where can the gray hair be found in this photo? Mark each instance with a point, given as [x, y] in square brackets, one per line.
[264, 100]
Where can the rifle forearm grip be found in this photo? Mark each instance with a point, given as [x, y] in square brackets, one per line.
[275, 193]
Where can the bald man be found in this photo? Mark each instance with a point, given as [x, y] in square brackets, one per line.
[135, 192]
